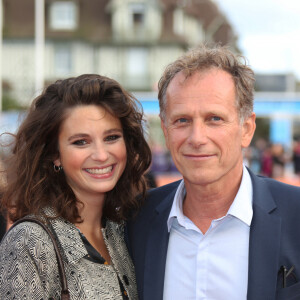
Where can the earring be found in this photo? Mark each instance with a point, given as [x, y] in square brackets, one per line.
[57, 169]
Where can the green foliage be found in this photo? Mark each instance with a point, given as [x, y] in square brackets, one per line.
[262, 129]
[9, 103]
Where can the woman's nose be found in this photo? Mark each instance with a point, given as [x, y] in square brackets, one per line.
[100, 153]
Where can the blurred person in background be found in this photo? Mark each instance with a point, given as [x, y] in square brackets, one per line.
[267, 161]
[77, 164]
[278, 160]
[222, 232]
[296, 156]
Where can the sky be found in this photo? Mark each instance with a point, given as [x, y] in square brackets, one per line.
[268, 31]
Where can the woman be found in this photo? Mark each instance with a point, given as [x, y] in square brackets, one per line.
[78, 161]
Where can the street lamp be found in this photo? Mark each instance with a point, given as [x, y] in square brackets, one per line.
[39, 45]
[1, 38]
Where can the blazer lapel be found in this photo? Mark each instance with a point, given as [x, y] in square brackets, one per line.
[264, 244]
[156, 251]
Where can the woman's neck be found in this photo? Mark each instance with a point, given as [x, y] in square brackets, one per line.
[91, 225]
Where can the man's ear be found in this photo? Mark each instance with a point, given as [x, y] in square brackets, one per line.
[165, 131]
[248, 130]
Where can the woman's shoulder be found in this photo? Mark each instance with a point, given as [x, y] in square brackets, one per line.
[26, 235]
[27, 252]
[27, 246]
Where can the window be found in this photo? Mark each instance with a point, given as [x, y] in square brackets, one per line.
[62, 60]
[63, 15]
[137, 11]
[137, 62]
[178, 21]
[137, 68]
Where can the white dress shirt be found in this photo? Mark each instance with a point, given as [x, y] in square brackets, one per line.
[214, 265]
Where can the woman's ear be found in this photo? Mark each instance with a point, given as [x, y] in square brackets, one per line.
[57, 162]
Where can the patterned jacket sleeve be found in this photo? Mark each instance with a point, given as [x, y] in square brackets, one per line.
[28, 266]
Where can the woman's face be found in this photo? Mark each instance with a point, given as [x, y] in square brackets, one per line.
[92, 151]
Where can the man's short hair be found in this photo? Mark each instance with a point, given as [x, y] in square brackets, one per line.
[203, 58]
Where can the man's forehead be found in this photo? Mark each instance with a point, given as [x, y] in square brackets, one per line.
[183, 75]
[217, 79]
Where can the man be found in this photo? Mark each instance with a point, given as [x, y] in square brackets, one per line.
[222, 232]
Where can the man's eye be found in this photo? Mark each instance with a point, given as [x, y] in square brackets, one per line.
[80, 142]
[215, 118]
[111, 138]
[182, 120]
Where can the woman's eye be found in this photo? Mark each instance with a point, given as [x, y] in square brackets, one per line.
[111, 138]
[80, 142]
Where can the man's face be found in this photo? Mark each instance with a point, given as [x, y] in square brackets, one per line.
[202, 128]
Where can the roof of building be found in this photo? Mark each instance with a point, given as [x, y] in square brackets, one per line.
[95, 21]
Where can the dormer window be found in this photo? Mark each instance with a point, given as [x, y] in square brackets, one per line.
[63, 15]
[137, 11]
[141, 22]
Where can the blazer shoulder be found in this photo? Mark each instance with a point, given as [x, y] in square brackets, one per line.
[27, 242]
[154, 198]
[288, 195]
[280, 187]
[155, 195]
[25, 234]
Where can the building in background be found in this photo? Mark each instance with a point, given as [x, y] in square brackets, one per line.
[128, 40]
[131, 41]
[275, 83]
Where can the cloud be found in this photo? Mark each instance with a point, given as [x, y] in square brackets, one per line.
[268, 32]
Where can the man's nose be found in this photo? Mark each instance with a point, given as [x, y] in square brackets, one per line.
[198, 134]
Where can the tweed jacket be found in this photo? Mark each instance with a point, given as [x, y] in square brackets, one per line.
[28, 266]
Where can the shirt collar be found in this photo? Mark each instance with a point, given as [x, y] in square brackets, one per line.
[241, 207]
[176, 210]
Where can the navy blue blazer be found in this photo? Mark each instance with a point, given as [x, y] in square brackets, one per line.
[274, 240]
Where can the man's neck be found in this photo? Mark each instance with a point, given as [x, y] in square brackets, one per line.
[203, 204]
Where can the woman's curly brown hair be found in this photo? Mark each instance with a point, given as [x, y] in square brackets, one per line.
[32, 183]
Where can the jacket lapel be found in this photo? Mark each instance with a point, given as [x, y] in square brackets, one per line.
[113, 236]
[68, 237]
[264, 243]
[156, 251]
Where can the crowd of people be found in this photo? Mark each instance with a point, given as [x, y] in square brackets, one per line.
[76, 187]
[262, 157]
[267, 159]
[273, 159]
